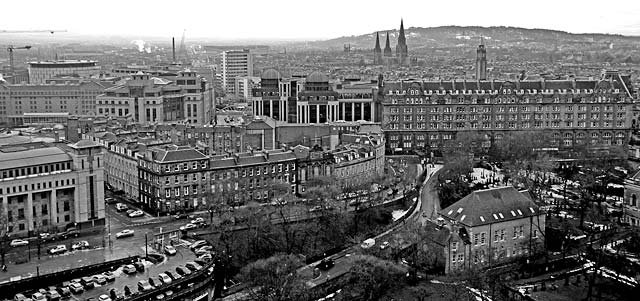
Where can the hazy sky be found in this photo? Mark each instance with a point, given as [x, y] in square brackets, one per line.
[318, 19]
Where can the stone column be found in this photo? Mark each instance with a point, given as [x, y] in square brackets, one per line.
[28, 212]
[53, 208]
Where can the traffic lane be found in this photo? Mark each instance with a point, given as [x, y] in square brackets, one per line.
[151, 270]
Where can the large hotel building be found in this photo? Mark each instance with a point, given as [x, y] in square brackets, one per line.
[50, 187]
[420, 115]
[41, 71]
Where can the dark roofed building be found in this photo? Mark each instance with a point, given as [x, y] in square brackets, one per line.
[492, 226]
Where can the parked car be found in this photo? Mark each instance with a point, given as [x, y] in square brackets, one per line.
[59, 249]
[18, 243]
[198, 244]
[164, 278]
[325, 264]
[188, 227]
[110, 200]
[121, 207]
[129, 269]
[197, 220]
[180, 216]
[144, 286]
[115, 294]
[124, 233]
[182, 271]
[110, 276]
[100, 279]
[64, 292]
[174, 276]
[53, 295]
[87, 282]
[193, 266]
[155, 282]
[170, 250]
[38, 296]
[19, 297]
[205, 257]
[139, 266]
[80, 245]
[76, 288]
[200, 252]
[71, 232]
[136, 213]
[205, 248]
[104, 298]
[384, 245]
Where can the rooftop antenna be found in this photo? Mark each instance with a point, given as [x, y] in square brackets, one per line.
[173, 43]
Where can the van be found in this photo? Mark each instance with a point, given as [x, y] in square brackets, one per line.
[368, 243]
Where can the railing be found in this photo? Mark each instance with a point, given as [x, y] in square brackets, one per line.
[200, 277]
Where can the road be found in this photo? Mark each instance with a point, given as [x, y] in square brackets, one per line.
[342, 260]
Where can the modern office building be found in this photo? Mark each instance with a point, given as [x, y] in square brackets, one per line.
[46, 100]
[41, 71]
[49, 187]
[235, 63]
[245, 85]
[423, 115]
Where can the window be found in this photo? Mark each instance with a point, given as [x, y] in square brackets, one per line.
[483, 238]
[475, 239]
[454, 246]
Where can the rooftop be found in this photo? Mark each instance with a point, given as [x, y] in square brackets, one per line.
[16, 156]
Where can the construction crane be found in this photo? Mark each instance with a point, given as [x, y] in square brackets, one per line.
[11, 49]
[32, 31]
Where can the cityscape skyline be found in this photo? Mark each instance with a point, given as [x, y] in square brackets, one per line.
[283, 22]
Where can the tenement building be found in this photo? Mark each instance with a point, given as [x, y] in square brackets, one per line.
[173, 178]
[50, 187]
[419, 115]
[490, 227]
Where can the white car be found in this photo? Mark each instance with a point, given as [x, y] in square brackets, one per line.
[121, 207]
[188, 227]
[198, 220]
[164, 278]
[170, 250]
[124, 233]
[83, 244]
[104, 298]
[59, 249]
[18, 242]
[384, 245]
[136, 213]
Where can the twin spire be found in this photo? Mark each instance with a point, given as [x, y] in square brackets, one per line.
[401, 48]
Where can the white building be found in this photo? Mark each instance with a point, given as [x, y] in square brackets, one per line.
[244, 86]
[41, 71]
[235, 63]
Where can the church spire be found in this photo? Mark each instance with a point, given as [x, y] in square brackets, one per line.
[387, 47]
[402, 51]
[377, 52]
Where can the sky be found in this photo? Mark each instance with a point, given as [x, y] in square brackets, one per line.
[310, 20]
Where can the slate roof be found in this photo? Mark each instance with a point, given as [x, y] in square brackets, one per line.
[491, 206]
[178, 154]
[19, 156]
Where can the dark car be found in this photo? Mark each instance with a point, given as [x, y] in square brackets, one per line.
[64, 291]
[325, 264]
[139, 266]
[182, 271]
[87, 282]
[173, 275]
[180, 216]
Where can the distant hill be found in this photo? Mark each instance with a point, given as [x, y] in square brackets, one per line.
[452, 36]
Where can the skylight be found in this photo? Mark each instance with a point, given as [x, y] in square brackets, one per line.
[495, 216]
[519, 212]
[482, 218]
[459, 210]
[501, 216]
[450, 211]
[513, 213]
[531, 210]
[462, 218]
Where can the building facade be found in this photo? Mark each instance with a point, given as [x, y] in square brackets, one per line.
[244, 86]
[48, 188]
[173, 179]
[631, 212]
[40, 72]
[145, 99]
[235, 63]
[489, 227]
[18, 101]
[426, 115]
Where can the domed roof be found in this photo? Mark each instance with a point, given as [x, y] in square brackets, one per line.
[271, 74]
[317, 77]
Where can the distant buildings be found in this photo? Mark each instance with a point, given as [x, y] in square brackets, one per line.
[489, 227]
[314, 100]
[146, 99]
[27, 104]
[48, 188]
[235, 63]
[426, 115]
[386, 57]
[244, 86]
[41, 71]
